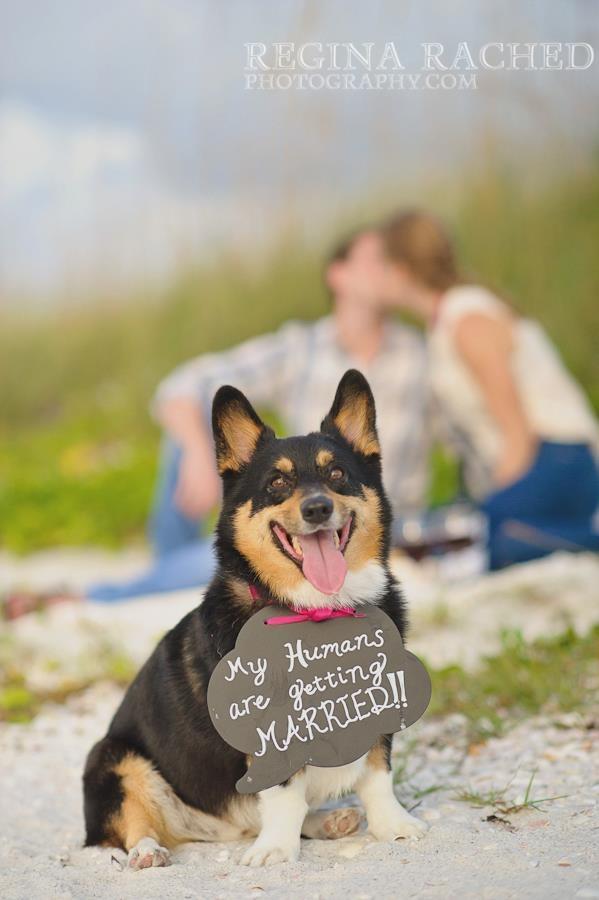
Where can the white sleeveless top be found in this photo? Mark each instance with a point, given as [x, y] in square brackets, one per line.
[554, 403]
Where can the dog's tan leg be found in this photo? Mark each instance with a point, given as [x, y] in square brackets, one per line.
[330, 824]
[139, 825]
[387, 819]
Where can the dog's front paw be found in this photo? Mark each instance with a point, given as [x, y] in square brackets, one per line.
[266, 852]
[146, 854]
[397, 824]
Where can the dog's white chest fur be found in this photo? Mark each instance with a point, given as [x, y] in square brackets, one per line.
[363, 585]
[324, 784]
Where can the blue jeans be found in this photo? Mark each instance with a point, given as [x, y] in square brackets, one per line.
[551, 507]
[183, 559]
[170, 529]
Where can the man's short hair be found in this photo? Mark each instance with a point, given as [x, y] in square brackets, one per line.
[343, 248]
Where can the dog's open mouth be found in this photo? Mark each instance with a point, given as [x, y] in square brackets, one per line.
[319, 555]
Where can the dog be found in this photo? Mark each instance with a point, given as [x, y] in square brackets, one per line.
[304, 523]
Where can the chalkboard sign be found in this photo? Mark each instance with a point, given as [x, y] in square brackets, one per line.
[295, 692]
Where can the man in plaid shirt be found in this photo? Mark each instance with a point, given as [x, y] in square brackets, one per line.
[294, 371]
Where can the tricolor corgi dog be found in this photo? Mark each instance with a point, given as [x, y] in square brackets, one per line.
[304, 524]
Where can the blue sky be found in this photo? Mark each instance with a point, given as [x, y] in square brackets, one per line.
[128, 142]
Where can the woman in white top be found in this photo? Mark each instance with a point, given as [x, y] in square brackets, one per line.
[523, 428]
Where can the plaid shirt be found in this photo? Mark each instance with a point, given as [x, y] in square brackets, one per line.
[295, 372]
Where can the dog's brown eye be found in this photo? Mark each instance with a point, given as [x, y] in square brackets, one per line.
[336, 473]
[278, 482]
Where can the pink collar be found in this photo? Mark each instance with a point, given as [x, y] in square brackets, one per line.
[319, 614]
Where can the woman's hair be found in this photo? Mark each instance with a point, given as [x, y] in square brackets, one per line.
[422, 244]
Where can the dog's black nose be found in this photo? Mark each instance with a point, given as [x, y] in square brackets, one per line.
[317, 509]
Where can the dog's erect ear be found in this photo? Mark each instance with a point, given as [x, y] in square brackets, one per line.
[237, 429]
[352, 414]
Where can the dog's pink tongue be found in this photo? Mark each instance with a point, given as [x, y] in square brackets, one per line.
[324, 564]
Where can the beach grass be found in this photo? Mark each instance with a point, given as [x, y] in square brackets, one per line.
[555, 675]
[77, 446]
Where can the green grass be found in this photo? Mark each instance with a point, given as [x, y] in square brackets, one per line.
[86, 481]
[77, 447]
[497, 798]
[551, 676]
[21, 700]
[554, 675]
[547, 676]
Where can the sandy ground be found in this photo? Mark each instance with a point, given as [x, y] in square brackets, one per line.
[549, 852]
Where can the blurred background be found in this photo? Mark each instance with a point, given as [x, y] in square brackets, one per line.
[153, 208]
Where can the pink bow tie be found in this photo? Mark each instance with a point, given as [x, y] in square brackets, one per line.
[315, 615]
[319, 614]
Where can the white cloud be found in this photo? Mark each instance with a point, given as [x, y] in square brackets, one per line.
[38, 154]
[84, 205]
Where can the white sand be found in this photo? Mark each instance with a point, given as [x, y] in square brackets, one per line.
[549, 853]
